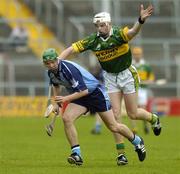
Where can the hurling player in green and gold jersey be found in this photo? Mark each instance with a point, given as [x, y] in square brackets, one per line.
[110, 45]
[146, 76]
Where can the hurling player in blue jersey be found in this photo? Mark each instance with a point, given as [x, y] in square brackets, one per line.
[85, 94]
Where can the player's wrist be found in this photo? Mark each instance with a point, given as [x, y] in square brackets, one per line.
[141, 21]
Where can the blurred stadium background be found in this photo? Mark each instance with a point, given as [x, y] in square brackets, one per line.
[24, 146]
[58, 23]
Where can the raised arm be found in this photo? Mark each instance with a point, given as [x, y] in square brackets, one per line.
[144, 14]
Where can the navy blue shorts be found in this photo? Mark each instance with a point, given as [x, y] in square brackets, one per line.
[97, 101]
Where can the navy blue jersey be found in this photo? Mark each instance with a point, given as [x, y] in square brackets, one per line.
[73, 77]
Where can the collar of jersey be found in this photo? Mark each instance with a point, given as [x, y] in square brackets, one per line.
[59, 64]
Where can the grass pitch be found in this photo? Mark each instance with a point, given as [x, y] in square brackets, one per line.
[25, 148]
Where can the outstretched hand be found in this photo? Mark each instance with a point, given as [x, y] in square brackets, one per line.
[145, 13]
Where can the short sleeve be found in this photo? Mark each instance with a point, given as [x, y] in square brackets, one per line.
[123, 33]
[84, 44]
[74, 77]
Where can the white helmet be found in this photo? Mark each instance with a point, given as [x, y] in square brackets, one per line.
[102, 17]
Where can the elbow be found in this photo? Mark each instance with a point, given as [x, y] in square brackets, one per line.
[85, 92]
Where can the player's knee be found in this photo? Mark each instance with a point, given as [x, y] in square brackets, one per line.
[67, 119]
[116, 113]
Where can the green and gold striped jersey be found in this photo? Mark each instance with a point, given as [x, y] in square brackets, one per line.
[113, 53]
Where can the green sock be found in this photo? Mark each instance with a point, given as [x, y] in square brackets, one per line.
[154, 119]
[120, 148]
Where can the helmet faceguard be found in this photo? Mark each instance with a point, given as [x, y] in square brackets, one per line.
[102, 17]
[49, 54]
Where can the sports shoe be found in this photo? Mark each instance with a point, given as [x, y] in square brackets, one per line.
[121, 160]
[49, 129]
[141, 151]
[74, 158]
[156, 127]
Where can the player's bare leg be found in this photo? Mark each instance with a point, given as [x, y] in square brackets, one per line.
[146, 126]
[98, 125]
[136, 113]
[122, 129]
[116, 100]
[72, 112]
[134, 126]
